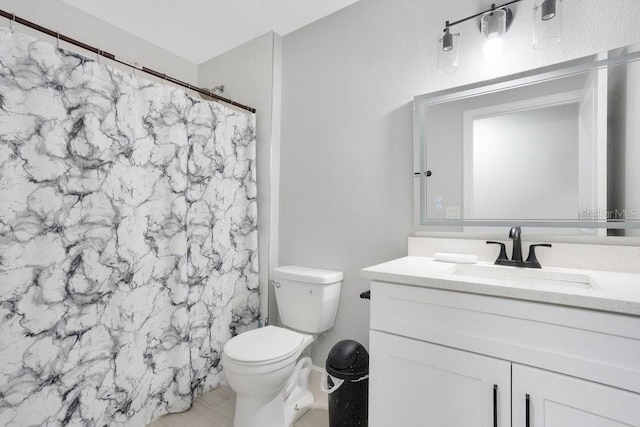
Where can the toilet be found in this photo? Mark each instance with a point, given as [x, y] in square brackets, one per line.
[262, 365]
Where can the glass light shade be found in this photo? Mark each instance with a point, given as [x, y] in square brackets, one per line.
[448, 53]
[547, 23]
[493, 26]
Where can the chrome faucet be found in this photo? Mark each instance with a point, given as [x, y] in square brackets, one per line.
[516, 255]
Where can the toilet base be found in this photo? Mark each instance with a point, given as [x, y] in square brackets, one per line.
[294, 410]
[256, 413]
[297, 397]
[283, 408]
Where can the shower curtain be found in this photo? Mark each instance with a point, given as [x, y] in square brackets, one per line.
[128, 240]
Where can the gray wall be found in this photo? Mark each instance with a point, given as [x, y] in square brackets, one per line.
[346, 194]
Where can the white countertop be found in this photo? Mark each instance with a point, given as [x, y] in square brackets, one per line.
[614, 292]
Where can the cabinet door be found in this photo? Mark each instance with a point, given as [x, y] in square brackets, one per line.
[557, 400]
[414, 383]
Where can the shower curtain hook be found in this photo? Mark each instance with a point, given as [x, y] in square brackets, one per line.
[98, 54]
[210, 94]
[58, 39]
[13, 22]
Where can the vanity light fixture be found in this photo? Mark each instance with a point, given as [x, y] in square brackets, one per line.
[448, 51]
[547, 23]
[494, 23]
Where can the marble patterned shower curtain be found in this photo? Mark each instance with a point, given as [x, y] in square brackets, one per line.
[128, 240]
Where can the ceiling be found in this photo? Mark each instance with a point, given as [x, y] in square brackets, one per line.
[199, 30]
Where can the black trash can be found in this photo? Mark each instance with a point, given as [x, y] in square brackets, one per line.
[348, 384]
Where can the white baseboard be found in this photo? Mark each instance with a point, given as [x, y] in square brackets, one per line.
[321, 400]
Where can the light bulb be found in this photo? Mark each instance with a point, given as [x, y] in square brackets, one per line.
[493, 49]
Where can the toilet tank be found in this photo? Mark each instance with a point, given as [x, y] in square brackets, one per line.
[307, 297]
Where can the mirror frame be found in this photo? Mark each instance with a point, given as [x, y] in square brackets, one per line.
[534, 76]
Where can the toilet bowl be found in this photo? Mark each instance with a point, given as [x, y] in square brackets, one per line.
[262, 365]
[258, 366]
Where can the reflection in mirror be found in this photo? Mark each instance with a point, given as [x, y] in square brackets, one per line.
[536, 175]
[548, 148]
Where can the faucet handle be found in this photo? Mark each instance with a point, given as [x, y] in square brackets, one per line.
[503, 252]
[531, 259]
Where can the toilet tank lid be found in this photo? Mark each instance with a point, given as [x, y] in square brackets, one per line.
[307, 274]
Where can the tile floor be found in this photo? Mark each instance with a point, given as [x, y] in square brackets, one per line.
[216, 408]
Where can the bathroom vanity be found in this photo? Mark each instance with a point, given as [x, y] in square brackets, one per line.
[462, 345]
[468, 345]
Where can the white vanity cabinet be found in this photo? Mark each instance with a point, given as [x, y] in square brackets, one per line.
[453, 359]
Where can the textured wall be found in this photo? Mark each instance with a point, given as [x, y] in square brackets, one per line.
[346, 197]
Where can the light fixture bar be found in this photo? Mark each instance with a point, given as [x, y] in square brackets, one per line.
[493, 7]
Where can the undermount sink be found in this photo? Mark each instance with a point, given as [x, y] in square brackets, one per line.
[526, 277]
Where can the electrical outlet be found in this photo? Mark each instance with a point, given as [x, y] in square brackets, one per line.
[453, 213]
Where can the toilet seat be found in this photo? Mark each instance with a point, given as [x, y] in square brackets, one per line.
[264, 346]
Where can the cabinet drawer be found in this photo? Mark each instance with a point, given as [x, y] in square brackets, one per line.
[599, 346]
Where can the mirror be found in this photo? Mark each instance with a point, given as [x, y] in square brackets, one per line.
[554, 148]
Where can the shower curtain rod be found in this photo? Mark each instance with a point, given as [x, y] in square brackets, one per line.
[212, 96]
